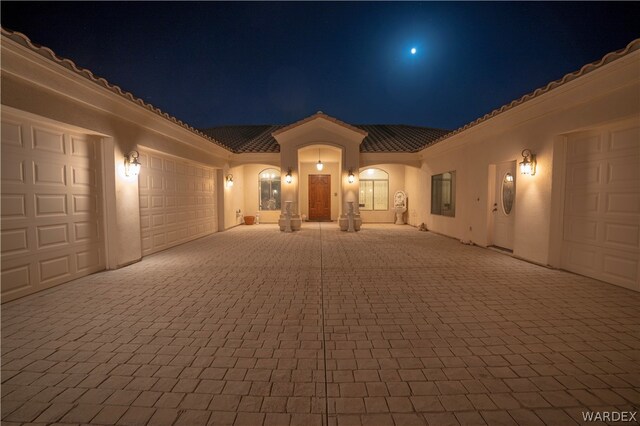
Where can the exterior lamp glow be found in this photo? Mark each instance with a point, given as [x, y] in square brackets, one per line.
[229, 180]
[131, 164]
[528, 163]
[351, 178]
[288, 178]
[319, 164]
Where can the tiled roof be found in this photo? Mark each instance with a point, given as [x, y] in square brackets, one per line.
[380, 138]
[251, 138]
[398, 137]
[315, 116]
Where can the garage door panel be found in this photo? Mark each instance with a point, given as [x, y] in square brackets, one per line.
[581, 230]
[48, 141]
[88, 260]
[83, 148]
[170, 184]
[585, 145]
[622, 171]
[169, 215]
[14, 206]
[582, 257]
[84, 177]
[159, 239]
[622, 235]
[55, 268]
[51, 207]
[625, 141]
[16, 278]
[49, 173]
[621, 268]
[85, 204]
[580, 203]
[157, 201]
[11, 134]
[86, 231]
[52, 235]
[582, 175]
[143, 181]
[601, 235]
[169, 166]
[15, 241]
[157, 220]
[622, 203]
[13, 172]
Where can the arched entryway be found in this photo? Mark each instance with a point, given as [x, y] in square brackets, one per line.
[320, 197]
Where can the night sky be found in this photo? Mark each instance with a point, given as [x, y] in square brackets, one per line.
[217, 63]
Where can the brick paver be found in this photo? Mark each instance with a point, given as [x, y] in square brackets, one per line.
[253, 326]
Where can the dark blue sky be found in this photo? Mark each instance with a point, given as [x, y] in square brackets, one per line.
[216, 63]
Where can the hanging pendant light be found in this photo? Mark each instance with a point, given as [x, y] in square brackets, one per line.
[319, 165]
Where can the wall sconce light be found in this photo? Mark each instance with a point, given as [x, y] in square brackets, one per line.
[288, 178]
[131, 164]
[351, 178]
[528, 163]
[229, 180]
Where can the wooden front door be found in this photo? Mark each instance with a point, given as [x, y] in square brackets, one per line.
[319, 197]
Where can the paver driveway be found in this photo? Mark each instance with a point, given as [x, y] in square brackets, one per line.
[237, 327]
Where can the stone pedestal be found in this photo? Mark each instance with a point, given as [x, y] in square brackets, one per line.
[288, 221]
[400, 206]
[350, 221]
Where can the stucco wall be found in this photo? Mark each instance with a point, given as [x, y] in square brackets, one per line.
[415, 183]
[234, 199]
[34, 85]
[396, 183]
[250, 190]
[605, 96]
[332, 169]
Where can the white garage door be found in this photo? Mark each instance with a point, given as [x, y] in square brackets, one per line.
[602, 206]
[51, 207]
[177, 201]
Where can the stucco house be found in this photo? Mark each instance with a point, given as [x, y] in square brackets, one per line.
[552, 178]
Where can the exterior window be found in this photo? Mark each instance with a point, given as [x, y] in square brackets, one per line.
[508, 193]
[443, 194]
[269, 189]
[374, 189]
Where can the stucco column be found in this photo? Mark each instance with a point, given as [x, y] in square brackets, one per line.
[289, 191]
[350, 191]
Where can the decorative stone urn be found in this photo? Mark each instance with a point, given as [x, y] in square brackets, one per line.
[350, 221]
[400, 206]
[289, 221]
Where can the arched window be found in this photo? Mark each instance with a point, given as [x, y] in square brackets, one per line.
[269, 189]
[374, 189]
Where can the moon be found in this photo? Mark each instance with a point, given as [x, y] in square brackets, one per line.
[413, 50]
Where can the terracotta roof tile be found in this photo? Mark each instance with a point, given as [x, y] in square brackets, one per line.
[380, 137]
[318, 114]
